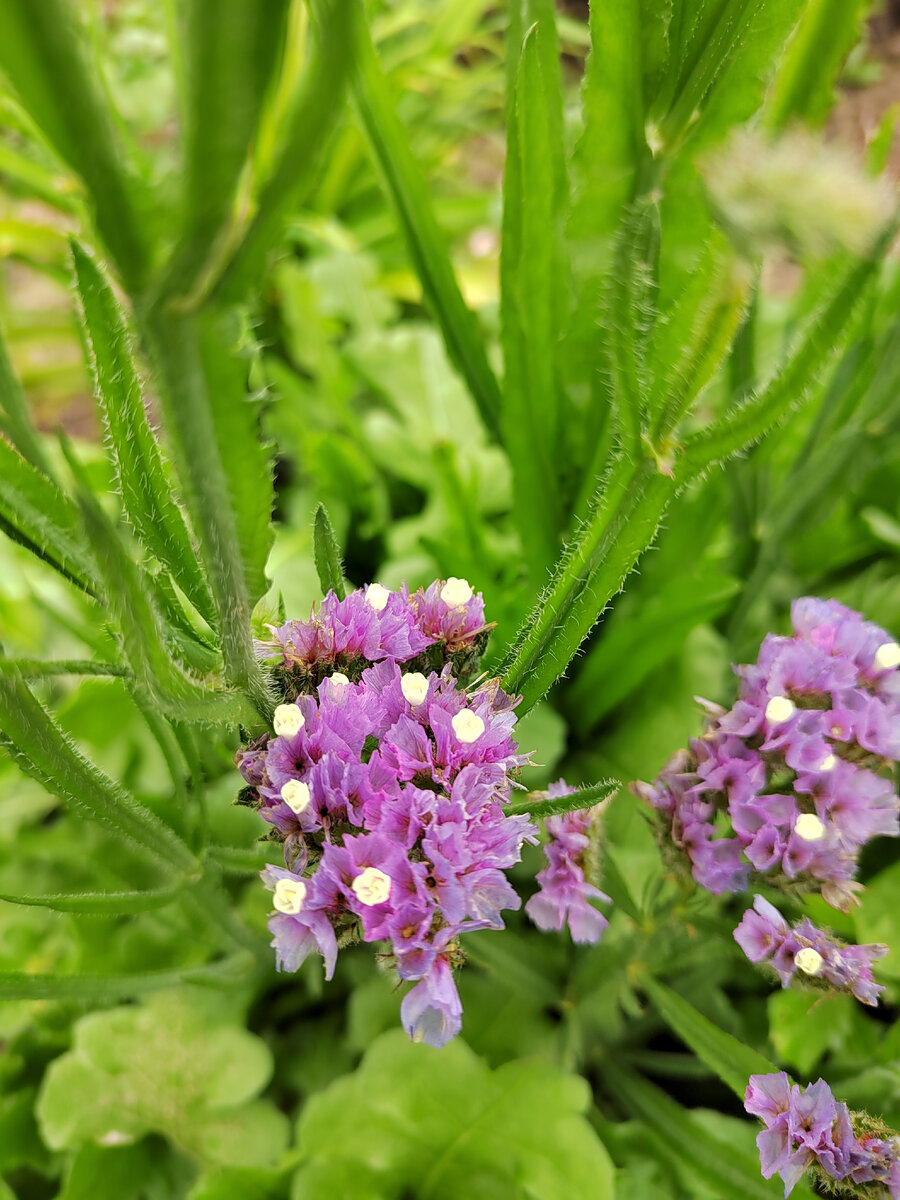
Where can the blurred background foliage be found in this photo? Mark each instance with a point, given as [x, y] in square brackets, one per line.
[197, 1091]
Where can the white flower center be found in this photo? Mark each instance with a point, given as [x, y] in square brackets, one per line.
[296, 796]
[414, 687]
[887, 656]
[828, 763]
[288, 720]
[456, 592]
[289, 896]
[467, 726]
[809, 961]
[377, 596]
[779, 709]
[809, 827]
[339, 679]
[372, 886]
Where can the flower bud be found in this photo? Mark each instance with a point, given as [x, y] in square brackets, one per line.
[809, 827]
[779, 709]
[467, 726]
[887, 656]
[371, 886]
[414, 687]
[296, 795]
[289, 896]
[288, 720]
[456, 592]
[809, 960]
[377, 596]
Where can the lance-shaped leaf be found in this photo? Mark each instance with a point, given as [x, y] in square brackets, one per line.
[537, 804]
[34, 668]
[146, 496]
[231, 53]
[103, 989]
[43, 751]
[42, 53]
[303, 138]
[794, 381]
[533, 294]
[425, 242]
[224, 467]
[15, 420]
[41, 517]
[99, 903]
[327, 554]
[141, 631]
[731, 1060]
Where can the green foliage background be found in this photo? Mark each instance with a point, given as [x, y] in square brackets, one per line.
[496, 286]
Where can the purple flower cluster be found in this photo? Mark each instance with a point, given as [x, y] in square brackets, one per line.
[805, 952]
[807, 1127]
[564, 892]
[375, 624]
[388, 795]
[795, 778]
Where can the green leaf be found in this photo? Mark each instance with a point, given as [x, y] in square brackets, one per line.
[793, 382]
[42, 53]
[38, 667]
[533, 294]
[42, 518]
[427, 248]
[731, 1060]
[517, 1132]
[169, 1066]
[43, 751]
[804, 83]
[105, 989]
[146, 495]
[246, 1183]
[224, 467]
[15, 420]
[111, 1172]
[722, 1168]
[629, 507]
[804, 1025]
[141, 631]
[231, 52]
[99, 902]
[584, 797]
[303, 139]
[327, 554]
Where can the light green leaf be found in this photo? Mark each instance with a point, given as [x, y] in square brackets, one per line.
[803, 1025]
[407, 188]
[168, 1067]
[516, 1132]
[15, 420]
[327, 554]
[146, 495]
[583, 797]
[105, 989]
[731, 1060]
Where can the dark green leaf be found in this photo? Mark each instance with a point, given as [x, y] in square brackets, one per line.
[99, 902]
[146, 495]
[104, 989]
[327, 554]
[15, 420]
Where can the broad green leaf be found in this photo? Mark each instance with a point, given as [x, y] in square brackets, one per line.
[327, 554]
[43, 751]
[804, 1025]
[42, 518]
[111, 1172]
[43, 54]
[731, 1060]
[245, 1183]
[518, 1131]
[533, 294]
[224, 468]
[722, 1168]
[15, 420]
[583, 797]
[170, 1067]
[99, 902]
[105, 989]
[231, 53]
[793, 382]
[425, 242]
[303, 134]
[804, 83]
[146, 495]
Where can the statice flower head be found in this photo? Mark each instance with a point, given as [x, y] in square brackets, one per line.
[806, 1128]
[565, 892]
[806, 954]
[387, 788]
[797, 776]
